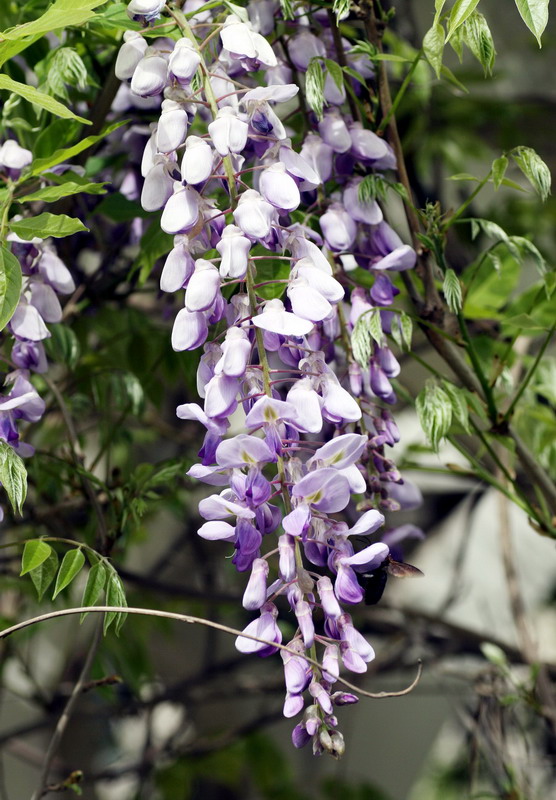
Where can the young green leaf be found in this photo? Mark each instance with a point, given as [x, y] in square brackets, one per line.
[434, 409]
[534, 14]
[452, 291]
[61, 14]
[461, 10]
[71, 565]
[63, 345]
[478, 38]
[40, 165]
[35, 553]
[115, 596]
[406, 327]
[43, 575]
[433, 47]
[287, 9]
[458, 399]
[374, 325]
[361, 344]
[50, 194]
[529, 249]
[10, 285]
[95, 584]
[534, 169]
[39, 99]
[499, 167]
[45, 225]
[335, 71]
[314, 86]
[341, 8]
[13, 476]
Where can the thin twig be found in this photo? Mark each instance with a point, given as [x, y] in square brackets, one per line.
[153, 612]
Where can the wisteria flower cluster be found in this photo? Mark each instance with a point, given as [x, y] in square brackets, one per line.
[45, 278]
[243, 203]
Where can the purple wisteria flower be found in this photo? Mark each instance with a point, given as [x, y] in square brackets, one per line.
[264, 220]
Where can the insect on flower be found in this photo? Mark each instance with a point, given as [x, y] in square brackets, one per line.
[374, 582]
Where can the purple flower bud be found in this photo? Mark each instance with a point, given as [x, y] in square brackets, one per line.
[221, 393]
[172, 127]
[190, 330]
[27, 323]
[228, 132]
[287, 566]
[14, 158]
[297, 672]
[184, 61]
[369, 213]
[29, 355]
[380, 384]
[181, 211]
[145, 10]
[334, 131]
[130, 54]
[383, 291]
[234, 248]
[158, 185]
[178, 267]
[243, 43]
[45, 300]
[330, 605]
[279, 188]
[344, 698]
[300, 737]
[264, 628]
[352, 636]
[304, 615]
[255, 592]
[307, 404]
[150, 74]
[293, 705]
[333, 94]
[355, 379]
[276, 320]
[322, 697]
[303, 47]
[196, 165]
[203, 286]
[331, 663]
[254, 215]
[346, 586]
[366, 145]
[236, 351]
[338, 227]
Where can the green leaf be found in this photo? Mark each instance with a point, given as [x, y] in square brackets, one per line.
[61, 14]
[529, 249]
[35, 553]
[13, 476]
[374, 325]
[287, 9]
[341, 8]
[43, 575]
[39, 98]
[50, 194]
[452, 291]
[10, 285]
[461, 10]
[46, 224]
[58, 134]
[115, 596]
[272, 270]
[434, 409]
[96, 582]
[406, 327]
[456, 43]
[499, 167]
[477, 36]
[314, 86]
[336, 72]
[458, 399]
[447, 73]
[71, 566]
[534, 169]
[534, 14]
[40, 165]
[433, 47]
[361, 344]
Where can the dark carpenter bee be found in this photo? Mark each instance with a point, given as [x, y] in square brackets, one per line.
[374, 582]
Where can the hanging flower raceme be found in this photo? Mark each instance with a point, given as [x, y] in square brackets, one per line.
[260, 236]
